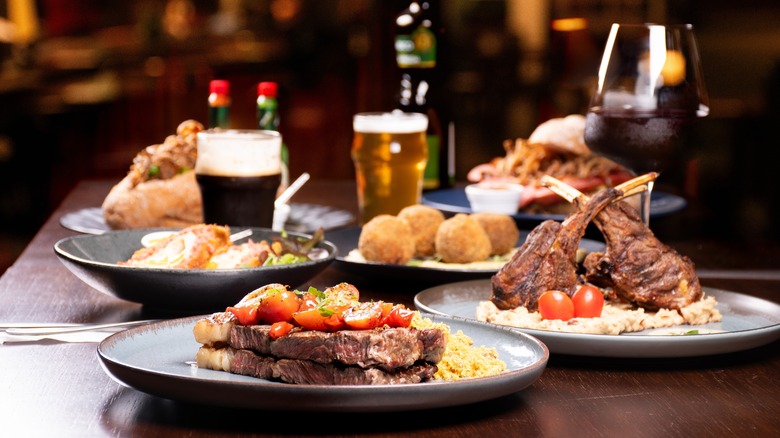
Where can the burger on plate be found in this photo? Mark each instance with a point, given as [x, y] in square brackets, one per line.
[556, 148]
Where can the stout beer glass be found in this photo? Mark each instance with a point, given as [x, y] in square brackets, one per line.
[239, 172]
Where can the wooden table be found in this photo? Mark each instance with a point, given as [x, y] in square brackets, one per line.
[59, 389]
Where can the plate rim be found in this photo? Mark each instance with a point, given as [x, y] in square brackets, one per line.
[634, 340]
[333, 251]
[340, 258]
[450, 208]
[128, 374]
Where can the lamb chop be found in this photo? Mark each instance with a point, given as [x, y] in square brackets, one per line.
[547, 259]
[636, 265]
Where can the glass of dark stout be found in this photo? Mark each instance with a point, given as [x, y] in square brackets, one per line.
[239, 172]
[650, 89]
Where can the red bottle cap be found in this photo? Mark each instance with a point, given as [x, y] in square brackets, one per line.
[219, 86]
[266, 89]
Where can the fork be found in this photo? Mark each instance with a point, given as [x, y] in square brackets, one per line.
[53, 329]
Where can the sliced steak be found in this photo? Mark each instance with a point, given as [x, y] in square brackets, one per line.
[386, 348]
[248, 363]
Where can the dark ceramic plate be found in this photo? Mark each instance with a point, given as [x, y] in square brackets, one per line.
[347, 239]
[93, 259]
[158, 359]
[452, 201]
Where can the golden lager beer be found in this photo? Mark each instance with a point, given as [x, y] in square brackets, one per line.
[239, 172]
[390, 152]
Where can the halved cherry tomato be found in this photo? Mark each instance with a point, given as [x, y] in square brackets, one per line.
[279, 329]
[398, 316]
[247, 315]
[588, 302]
[364, 316]
[308, 301]
[278, 305]
[555, 304]
[319, 319]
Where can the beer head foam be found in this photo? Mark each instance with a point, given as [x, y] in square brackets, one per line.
[239, 153]
[392, 123]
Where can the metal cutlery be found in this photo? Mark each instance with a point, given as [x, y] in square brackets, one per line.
[45, 329]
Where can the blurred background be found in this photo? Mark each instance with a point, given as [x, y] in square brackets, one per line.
[86, 84]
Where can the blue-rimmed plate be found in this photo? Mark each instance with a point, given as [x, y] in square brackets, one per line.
[452, 201]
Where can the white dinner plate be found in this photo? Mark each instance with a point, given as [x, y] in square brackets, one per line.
[158, 359]
[748, 322]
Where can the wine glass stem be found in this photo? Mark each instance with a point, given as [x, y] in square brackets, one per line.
[644, 204]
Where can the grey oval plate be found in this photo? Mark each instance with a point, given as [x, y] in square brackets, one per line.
[157, 359]
[748, 322]
[347, 239]
[304, 218]
[93, 258]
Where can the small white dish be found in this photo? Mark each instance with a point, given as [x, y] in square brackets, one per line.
[494, 197]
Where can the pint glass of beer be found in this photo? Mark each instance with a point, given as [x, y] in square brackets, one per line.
[239, 172]
[390, 153]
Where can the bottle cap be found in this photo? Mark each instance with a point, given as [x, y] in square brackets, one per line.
[219, 86]
[266, 89]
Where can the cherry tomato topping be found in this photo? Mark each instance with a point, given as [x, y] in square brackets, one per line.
[278, 305]
[555, 304]
[364, 316]
[588, 302]
[319, 319]
[279, 329]
[247, 315]
[398, 316]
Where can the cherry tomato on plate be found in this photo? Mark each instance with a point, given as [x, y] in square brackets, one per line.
[588, 302]
[555, 304]
[364, 316]
[247, 315]
[398, 316]
[279, 329]
[278, 305]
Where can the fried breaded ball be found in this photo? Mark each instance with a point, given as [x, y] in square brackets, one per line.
[501, 229]
[460, 239]
[425, 222]
[386, 239]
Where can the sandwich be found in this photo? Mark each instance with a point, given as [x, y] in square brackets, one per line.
[160, 189]
[556, 148]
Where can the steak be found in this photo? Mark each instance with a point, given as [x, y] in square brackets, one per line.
[547, 260]
[639, 267]
[248, 363]
[386, 348]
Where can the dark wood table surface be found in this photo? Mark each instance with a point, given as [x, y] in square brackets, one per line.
[60, 389]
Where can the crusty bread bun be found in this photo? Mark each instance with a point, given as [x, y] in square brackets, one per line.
[564, 134]
[173, 202]
[160, 190]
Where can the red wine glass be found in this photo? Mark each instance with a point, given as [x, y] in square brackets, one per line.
[650, 89]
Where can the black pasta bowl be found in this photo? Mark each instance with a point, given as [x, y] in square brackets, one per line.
[93, 259]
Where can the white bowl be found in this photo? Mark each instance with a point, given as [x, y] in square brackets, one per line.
[494, 197]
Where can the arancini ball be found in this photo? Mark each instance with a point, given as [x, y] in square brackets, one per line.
[501, 229]
[386, 239]
[460, 239]
[424, 222]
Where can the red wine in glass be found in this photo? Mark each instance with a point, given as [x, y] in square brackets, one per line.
[640, 141]
[650, 90]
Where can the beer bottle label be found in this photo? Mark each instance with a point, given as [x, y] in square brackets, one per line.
[431, 174]
[416, 50]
